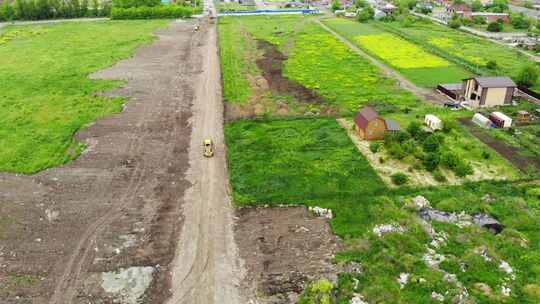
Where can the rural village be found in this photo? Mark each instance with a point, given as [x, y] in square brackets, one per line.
[269, 151]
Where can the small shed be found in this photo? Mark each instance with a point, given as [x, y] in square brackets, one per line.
[482, 121]
[500, 120]
[523, 116]
[392, 125]
[433, 122]
[369, 125]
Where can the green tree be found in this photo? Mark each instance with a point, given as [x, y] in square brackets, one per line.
[491, 64]
[455, 23]
[366, 14]
[495, 27]
[477, 6]
[519, 21]
[527, 76]
[336, 5]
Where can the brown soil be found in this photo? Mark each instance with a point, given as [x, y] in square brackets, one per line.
[511, 153]
[271, 65]
[284, 248]
[128, 185]
[273, 80]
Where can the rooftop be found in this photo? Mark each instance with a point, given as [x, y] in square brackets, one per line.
[495, 82]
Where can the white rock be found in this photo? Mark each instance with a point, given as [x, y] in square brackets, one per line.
[421, 202]
[380, 230]
[322, 212]
[357, 299]
[403, 279]
[52, 215]
[505, 290]
[437, 296]
[127, 285]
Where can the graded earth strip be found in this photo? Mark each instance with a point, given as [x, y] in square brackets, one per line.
[207, 268]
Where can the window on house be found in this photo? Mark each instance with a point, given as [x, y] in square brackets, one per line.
[473, 96]
[476, 86]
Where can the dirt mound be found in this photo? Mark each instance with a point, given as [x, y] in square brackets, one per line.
[271, 65]
[284, 248]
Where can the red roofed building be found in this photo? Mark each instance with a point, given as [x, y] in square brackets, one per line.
[370, 126]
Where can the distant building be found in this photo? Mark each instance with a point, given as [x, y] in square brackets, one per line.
[488, 91]
[459, 9]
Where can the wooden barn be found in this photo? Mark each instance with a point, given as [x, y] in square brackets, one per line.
[371, 126]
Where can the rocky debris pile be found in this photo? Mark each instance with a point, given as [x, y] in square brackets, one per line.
[127, 285]
[461, 219]
[488, 222]
[383, 229]
[322, 212]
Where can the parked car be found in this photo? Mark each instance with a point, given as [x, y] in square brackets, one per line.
[452, 105]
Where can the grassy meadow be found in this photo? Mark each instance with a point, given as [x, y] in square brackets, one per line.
[46, 93]
[315, 59]
[411, 60]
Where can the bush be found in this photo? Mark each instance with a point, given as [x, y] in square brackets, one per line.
[479, 20]
[495, 27]
[135, 3]
[431, 161]
[449, 160]
[527, 76]
[486, 155]
[7, 12]
[449, 125]
[463, 169]
[399, 179]
[375, 146]
[432, 143]
[519, 21]
[491, 64]
[157, 12]
[366, 14]
[454, 23]
[336, 5]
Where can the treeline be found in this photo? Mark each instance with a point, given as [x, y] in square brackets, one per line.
[53, 9]
[154, 9]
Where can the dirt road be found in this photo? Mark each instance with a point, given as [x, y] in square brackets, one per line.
[429, 95]
[207, 268]
[120, 204]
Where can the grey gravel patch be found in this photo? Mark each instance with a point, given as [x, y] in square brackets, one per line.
[128, 285]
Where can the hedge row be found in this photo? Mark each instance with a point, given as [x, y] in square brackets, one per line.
[52, 9]
[155, 12]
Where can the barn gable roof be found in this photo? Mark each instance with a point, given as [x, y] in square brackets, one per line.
[365, 115]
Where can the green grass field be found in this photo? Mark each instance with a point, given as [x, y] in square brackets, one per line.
[295, 161]
[312, 162]
[46, 94]
[472, 50]
[315, 59]
[412, 61]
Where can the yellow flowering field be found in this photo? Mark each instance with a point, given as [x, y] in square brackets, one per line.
[399, 52]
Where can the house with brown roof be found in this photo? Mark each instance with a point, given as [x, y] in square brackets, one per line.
[371, 126]
[488, 91]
